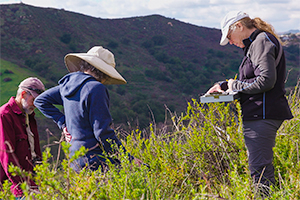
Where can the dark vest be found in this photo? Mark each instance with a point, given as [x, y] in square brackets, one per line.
[271, 104]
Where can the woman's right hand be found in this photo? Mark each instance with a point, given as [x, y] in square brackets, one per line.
[215, 88]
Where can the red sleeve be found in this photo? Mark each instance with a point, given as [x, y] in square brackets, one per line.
[7, 152]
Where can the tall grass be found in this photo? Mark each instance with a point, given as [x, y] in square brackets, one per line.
[199, 155]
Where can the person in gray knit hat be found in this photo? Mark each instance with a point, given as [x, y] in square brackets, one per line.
[19, 138]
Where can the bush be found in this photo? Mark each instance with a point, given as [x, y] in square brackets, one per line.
[112, 44]
[147, 44]
[66, 38]
[159, 40]
[121, 90]
[7, 79]
[161, 57]
[8, 72]
[125, 41]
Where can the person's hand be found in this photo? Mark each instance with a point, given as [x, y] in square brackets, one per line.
[215, 88]
[67, 135]
[230, 82]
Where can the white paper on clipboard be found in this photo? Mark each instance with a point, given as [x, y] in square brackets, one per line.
[219, 97]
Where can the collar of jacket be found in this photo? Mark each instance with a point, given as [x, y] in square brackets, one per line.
[250, 39]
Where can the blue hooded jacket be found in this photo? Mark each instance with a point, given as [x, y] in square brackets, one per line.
[86, 112]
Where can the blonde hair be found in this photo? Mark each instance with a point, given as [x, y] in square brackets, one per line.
[259, 24]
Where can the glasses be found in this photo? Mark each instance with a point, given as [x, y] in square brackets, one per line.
[231, 29]
[36, 90]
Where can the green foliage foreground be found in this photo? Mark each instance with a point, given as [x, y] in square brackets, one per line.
[200, 156]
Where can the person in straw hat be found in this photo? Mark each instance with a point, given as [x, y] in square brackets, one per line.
[19, 138]
[261, 86]
[85, 100]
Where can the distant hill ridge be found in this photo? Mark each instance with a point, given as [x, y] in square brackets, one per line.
[165, 61]
[293, 31]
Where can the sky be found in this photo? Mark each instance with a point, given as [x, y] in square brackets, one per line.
[284, 15]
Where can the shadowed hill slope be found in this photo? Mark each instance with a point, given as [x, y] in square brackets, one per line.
[165, 61]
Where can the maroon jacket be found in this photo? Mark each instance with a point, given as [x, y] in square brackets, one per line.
[13, 132]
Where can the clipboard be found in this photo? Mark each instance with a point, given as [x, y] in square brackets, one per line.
[219, 97]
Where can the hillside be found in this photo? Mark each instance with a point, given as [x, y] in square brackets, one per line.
[165, 61]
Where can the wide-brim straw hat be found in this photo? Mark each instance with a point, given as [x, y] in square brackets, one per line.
[99, 57]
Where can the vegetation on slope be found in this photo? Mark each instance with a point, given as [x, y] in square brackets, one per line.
[201, 155]
[165, 61]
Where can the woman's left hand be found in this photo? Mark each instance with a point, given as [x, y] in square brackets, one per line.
[67, 135]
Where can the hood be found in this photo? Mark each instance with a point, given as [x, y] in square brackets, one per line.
[72, 82]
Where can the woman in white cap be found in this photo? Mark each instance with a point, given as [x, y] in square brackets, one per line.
[261, 86]
[86, 105]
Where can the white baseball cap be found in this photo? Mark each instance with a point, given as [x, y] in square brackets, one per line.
[227, 21]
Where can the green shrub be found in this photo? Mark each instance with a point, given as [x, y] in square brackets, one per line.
[112, 44]
[66, 38]
[159, 40]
